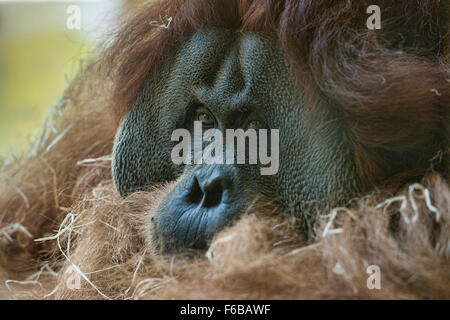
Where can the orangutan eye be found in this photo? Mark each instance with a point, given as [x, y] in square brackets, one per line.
[255, 125]
[205, 117]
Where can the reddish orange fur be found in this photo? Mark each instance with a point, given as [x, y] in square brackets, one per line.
[261, 259]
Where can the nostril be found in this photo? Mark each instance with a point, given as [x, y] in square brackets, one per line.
[195, 194]
[213, 193]
[209, 187]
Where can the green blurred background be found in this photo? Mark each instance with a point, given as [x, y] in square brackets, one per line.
[38, 57]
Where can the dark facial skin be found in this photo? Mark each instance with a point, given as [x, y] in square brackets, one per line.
[238, 79]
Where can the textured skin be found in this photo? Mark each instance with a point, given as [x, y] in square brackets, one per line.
[227, 71]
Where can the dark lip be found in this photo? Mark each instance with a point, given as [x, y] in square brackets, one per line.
[192, 226]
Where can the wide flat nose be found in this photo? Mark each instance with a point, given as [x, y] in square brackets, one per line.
[211, 186]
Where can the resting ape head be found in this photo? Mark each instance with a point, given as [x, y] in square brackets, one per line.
[229, 80]
[347, 103]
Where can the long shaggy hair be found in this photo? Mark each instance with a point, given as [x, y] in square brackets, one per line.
[66, 233]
